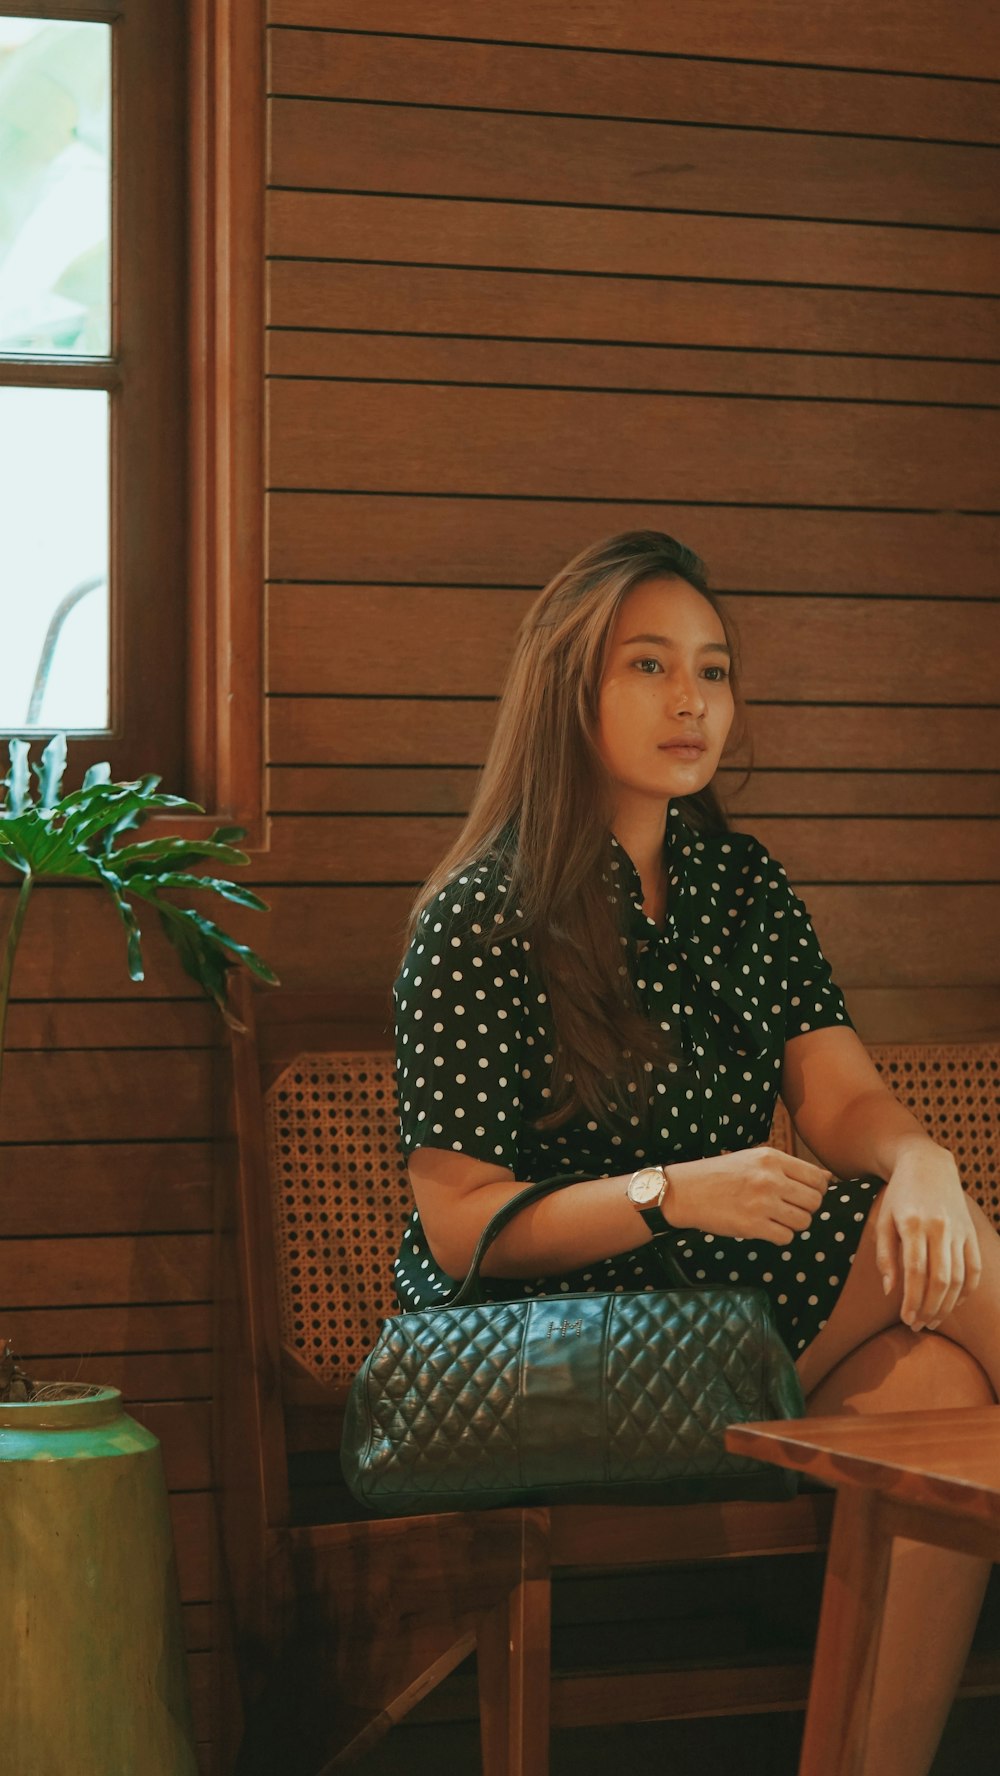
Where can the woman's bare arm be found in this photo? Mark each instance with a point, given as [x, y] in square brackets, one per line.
[757, 1192]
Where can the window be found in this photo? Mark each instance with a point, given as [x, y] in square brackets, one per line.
[131, 265]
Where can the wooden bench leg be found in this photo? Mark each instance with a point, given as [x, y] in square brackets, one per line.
[514, 1654]
[850, 1623]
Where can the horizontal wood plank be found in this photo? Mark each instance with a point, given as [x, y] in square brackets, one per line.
[350, 938]
[606, 446]
[464, 542]
[183, 1429]
[121, 1187]
[882, 1014]
[80, 936]
[50, 968]
[927, 1014]
[139, 1269]
[439, 731]
[197, 1623]
[628, 311]
[192, 1520]
[522, 77]
[132, 1327]
[698, 370]
[919, 36]
[416, 789]
[201, 1690]
[385, 640]
[107, 1094]
[110, 1023]
[160, 1375]
[386, 848]
[340, 145]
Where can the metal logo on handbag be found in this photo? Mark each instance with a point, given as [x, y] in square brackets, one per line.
[596, 1398]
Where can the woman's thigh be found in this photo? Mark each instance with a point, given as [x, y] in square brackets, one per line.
[901, 1371]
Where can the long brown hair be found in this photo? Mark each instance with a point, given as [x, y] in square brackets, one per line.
[543, 809]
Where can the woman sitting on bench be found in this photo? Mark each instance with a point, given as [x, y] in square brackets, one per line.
[603, 976]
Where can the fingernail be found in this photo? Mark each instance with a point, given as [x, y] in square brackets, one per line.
[932, 1325]
[886, 1284]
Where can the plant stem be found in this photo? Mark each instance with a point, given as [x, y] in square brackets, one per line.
[9, 952]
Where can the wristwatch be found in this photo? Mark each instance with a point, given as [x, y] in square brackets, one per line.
[646, 1191]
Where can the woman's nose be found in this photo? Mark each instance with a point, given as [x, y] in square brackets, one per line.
[687, 693]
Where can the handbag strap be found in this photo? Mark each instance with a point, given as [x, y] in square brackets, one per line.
[470, 1291]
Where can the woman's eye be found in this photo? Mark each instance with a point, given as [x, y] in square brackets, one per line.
[651, 660]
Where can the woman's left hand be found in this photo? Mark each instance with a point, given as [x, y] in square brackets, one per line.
[926, 1235]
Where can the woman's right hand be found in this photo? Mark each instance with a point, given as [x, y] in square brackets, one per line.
[755, 1193]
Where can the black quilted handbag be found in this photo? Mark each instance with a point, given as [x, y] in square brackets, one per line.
[603, 1398]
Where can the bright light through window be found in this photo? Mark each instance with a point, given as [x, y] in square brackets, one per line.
[55, 122]
[53, 558]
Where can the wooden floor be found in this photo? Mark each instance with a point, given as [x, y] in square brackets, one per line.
[744, 1604]
[759, 1744]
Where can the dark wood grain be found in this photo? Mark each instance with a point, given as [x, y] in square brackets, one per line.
[628, 310]
[605, 446]
[440, 731]
[428, 789]
[385, 640]
[940, 1457]
[533, 77]
[500, 542]
[340, 145]
[919, 37]
[351, 355]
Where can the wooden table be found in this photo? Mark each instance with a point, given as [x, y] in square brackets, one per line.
[930, 1476]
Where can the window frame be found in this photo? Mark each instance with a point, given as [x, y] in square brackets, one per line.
[185, 377]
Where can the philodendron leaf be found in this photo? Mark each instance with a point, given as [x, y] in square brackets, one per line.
[176, 853]
[72, 838]
[128, 919]
[17, 780]
[175, 918]
[149, 887]
[50, 773]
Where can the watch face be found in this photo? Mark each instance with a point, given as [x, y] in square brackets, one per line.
[646, 1187]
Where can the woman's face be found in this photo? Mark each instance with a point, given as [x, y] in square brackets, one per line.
[666, 677]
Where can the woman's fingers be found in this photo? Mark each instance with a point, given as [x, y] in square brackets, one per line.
[803, 1194]
[967, 1268]
[937, 1280]
[886, 1248]
[956, 1289]
[973, 1261]
[913, 1251]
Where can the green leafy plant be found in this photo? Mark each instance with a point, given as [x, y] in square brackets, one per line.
[77, 838]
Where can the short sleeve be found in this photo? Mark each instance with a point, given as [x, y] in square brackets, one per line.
[460, 1008]
[812, 998]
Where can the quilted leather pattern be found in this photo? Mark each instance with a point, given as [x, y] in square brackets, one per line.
[459, 1406]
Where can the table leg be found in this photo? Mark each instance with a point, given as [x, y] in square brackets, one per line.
[850, 1623]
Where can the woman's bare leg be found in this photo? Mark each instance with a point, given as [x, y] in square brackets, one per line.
[865, 1360]
[934, 1595]
[863, 1309]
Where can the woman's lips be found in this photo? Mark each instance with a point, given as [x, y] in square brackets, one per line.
[678, 750]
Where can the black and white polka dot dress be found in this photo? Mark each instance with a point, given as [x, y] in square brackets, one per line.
[737, 972]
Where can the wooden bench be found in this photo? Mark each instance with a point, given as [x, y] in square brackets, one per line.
[342, 1622]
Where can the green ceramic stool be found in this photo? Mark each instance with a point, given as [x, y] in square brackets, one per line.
[91, 1649]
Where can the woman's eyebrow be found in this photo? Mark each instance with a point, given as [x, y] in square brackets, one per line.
[715, 647]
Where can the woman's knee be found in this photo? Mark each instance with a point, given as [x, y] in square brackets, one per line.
[902, 1371]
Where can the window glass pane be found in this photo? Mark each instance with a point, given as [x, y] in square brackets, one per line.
[55, 122]
[53, 558]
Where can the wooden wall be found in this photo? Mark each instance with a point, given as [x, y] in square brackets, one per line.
[731, 272]
[641, 265]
